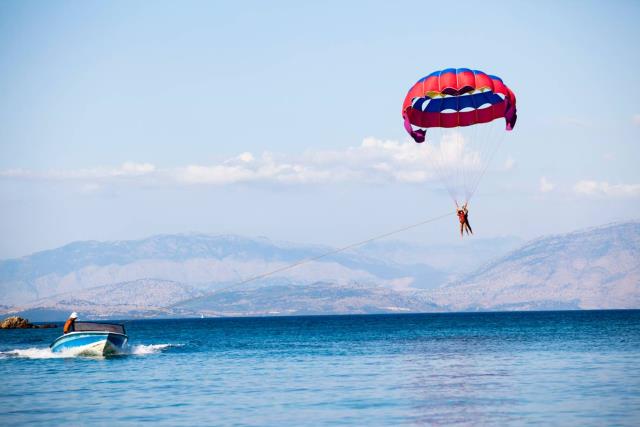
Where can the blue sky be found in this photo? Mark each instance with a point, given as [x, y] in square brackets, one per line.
[121, 120]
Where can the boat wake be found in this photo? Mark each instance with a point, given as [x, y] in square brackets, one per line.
[46, 353]
[142, 349]
[35, 353]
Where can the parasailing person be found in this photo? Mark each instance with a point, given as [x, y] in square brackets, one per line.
[460, 108]
[463, 216]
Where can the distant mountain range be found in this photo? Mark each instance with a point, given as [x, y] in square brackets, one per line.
[598, 268]
[280, 298]
[196, 274]
[138, 298]
[77, 273]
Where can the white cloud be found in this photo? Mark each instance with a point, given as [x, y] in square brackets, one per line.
[15, 173]
[373, 161]
[127, 169]
[265, 168]
[134, 169]
[603, 188]
[509, 164]
[545, 185]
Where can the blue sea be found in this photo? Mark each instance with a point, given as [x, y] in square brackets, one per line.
[534, 368]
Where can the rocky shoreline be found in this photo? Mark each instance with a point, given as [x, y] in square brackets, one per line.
[15, 322]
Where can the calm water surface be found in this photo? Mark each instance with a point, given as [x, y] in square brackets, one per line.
[558, 368]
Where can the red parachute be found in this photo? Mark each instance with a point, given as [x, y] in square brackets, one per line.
[459, 107]
[457, 97]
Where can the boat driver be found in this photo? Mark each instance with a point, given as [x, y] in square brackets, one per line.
[69, 325]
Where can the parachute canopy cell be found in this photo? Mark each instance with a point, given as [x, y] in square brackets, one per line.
[457, 97]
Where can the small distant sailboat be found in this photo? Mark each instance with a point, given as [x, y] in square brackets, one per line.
[201, 316]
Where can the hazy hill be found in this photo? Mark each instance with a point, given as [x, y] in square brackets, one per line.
[587, 269]
[139, 298]
[202, 261]
[315, 298]
[455, 258]
[186, 275]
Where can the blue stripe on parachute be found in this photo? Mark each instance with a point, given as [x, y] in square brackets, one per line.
[457, 103]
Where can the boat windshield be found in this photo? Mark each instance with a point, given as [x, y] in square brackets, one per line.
[95, 326]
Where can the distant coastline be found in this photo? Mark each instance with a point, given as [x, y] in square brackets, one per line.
[596, 268]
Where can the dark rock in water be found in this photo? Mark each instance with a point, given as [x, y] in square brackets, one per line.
[48, 325]
[16, 322]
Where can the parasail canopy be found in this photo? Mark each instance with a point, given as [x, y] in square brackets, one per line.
[457, 97]
[459, 108]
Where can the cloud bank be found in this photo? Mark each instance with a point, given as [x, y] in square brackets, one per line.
[126, 170]
[373, 161]
[546, 186]
[605, 189]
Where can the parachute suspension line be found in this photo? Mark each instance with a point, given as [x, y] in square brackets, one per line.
[464, 145]
[460, 157]
[458, 143]
[479, 151]
[486, 166]
[493, 146]
[461, 164]
[486, 133]
[437, 162]
[468, 175]
[478, 146]
[336, 251]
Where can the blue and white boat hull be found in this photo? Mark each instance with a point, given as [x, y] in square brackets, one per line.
[90, 343]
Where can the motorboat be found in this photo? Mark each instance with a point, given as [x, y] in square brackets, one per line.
[92, 339]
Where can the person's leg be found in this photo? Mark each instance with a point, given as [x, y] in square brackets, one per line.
[461, 229]
[469, 228]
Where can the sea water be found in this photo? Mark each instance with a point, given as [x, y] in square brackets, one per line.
[546, 368]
